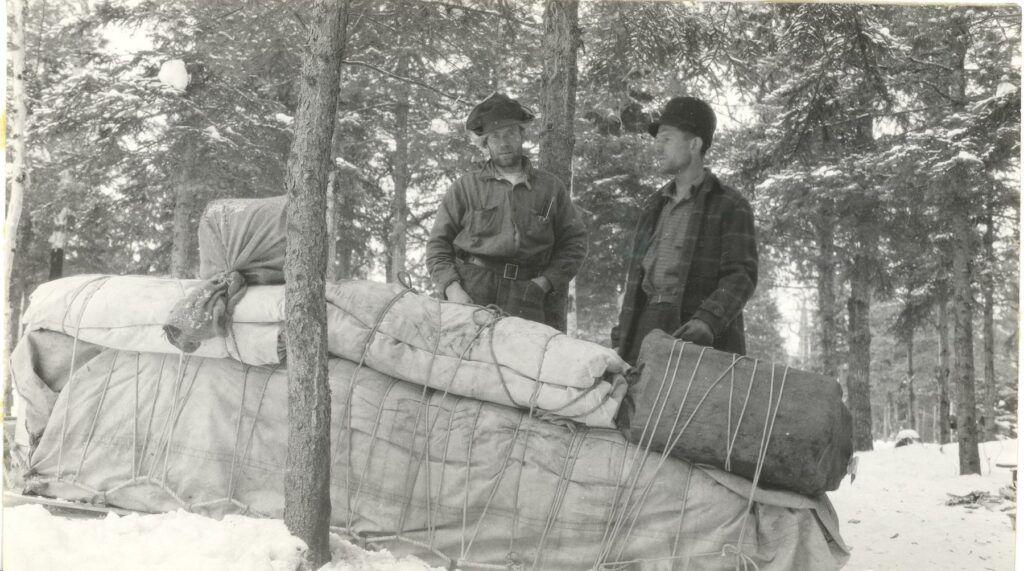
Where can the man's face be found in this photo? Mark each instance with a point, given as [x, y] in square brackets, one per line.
[674, 149]
[506, 146]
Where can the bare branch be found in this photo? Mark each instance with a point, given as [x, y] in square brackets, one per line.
[931, 63]
[454, 98]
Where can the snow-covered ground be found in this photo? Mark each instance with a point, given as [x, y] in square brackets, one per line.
[895, 516]
[35, 540]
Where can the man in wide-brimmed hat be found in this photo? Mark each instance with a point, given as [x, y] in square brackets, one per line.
[506, 234]
[693, 261]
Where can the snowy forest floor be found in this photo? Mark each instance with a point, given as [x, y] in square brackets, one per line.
[894, 516]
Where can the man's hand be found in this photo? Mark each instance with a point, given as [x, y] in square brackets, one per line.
[536, 290]
[454, 292]
[543, 282]
[696, 331]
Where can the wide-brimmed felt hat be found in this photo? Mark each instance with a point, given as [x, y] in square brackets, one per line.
[688, 114]
[497, 110]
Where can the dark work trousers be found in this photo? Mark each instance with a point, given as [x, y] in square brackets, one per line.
[664, 316]
[515, 297]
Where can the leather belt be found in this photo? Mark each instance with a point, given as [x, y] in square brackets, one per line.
[669, 298]
[508, 271]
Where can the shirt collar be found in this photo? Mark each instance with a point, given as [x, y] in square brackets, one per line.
[669, 190]
[489, 171]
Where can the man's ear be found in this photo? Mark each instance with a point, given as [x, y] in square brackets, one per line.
[696, 143]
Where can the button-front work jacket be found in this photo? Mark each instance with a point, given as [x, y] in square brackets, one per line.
[718, 255]
[533, 223]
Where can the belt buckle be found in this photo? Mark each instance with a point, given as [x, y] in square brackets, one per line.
[514, 269]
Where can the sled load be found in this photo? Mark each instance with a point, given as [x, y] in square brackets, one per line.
[468, 438]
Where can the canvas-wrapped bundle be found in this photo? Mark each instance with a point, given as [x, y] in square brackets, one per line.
[451, 347]
[462, 483]
[776, 425]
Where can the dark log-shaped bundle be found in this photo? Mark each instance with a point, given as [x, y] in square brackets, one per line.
[776, 425]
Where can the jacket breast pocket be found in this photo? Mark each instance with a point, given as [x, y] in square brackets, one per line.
[540, 230]
[484, 223]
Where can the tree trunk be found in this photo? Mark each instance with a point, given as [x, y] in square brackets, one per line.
[804, 353]
[859, 377]
[184, 207]
[19, 172]
[307, 511]
[943, 373]
[911, 404]
[887, 415]
[348, 188]
[58, 240]
[559, 45]
[826, 278]
[558, 87]
[963, 343]
[963, 254]
[332, 223]
[988, 413]
[400, 175]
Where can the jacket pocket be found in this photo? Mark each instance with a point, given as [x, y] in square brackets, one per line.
[484, 223]
[539, 230]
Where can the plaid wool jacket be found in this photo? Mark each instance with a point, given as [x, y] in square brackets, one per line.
[718, 257]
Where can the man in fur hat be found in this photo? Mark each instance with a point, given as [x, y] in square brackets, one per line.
[506, 233]
[693, 262]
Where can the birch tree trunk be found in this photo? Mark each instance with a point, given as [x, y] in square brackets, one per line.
[307, 511]
[560, 43]
[19, 176]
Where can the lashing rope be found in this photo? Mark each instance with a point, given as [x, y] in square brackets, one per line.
[624, 493]
[152, 413]
[623, 511]
[96, 417]
[69, 386]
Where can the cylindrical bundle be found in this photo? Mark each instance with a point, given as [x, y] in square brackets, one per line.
[472, 351]
[129, 313]
[472, 484]
[786, 427]
[462, 349]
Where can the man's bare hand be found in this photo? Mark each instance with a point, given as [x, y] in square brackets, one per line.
[696, 331]
[454, 292]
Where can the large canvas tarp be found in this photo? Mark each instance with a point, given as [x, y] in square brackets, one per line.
[463, 349]
[773, 424]
[470, 483]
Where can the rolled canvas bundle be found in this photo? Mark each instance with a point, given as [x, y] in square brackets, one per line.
[463, 349]
[776, 425]
[454, 480]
